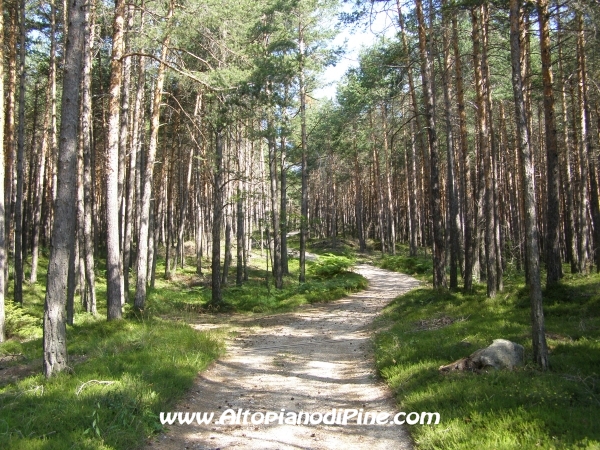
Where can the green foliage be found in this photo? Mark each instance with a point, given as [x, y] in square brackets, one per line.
[130, 371]
[328, 280]
[330, 265]
[523, 408]
[19, 323]
[410, 265]
[420, 267]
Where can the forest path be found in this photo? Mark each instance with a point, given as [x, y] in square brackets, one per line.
[312, 360]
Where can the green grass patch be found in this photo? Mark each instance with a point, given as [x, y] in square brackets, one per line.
[419, 266]
[328, 279]
[124, 373]
[339, 247]
[524, 408]
[144, 366]
[128, 372]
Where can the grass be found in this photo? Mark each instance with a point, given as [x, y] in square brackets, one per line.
[140, 368]
[420, 266]
[186, 293]
[124, 373]
[524, 408]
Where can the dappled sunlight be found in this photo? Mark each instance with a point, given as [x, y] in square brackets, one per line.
[312, 360]
[525, 408]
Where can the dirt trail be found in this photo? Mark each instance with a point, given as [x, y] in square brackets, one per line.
[311, 360]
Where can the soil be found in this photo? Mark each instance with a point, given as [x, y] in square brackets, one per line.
[15, 367]
[312, 360]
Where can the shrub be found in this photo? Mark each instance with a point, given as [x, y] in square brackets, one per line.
[411, 265]
[19, 324]
[329, 265]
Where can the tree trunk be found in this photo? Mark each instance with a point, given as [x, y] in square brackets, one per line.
[19, 235]
[418, 136]
[143, 235]
[114, 287]
[283, 226]
[586, 141]
[198, 198]
[412, 189]
[304, 167]
[272, 144]
[63, 238]
[439, 273]
[239, 275]
[495, 249]
[553, 262]
[358, 201]
[481, 85]
[540, 350]
[454, 218]
[567, 174]
[126, 144]
[391, 226]
[3, 262]
[217, 295]
[465, 161]
[9, 125]
[86, 141]
[227, 250]
[45, 148]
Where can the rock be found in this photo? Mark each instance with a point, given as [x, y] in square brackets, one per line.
[502, 354]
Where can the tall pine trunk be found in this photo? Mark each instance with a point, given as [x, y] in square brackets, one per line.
[553, 262]
[144, 231]
[63, 238]
[454, 218]
[465, 161]
[272, 146]
[9, 125]
[481, 86]
[567, 172]
[304, 167]
[3, 262]
[586, 142]
[439, 272]
[283, 223]
[86, 142]
[19, 235]
[540, 349]
[114, 287]
[217, 294]
[126, 145]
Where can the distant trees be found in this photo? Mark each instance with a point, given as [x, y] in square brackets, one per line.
[491, 197]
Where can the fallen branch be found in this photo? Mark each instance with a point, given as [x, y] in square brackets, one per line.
[83, 385]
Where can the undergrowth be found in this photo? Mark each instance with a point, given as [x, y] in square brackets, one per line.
[524, 408]
[124, 373]
[328, 279]
[419, 266]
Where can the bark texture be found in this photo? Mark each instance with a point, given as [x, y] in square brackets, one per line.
[63, 236]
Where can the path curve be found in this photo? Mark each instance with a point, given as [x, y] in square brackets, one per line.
[314, 359]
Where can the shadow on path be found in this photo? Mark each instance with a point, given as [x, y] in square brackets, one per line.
[311, 360]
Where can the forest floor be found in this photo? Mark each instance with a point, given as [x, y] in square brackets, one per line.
[312, 360]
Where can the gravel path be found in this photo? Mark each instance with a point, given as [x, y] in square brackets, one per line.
[311, 360]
